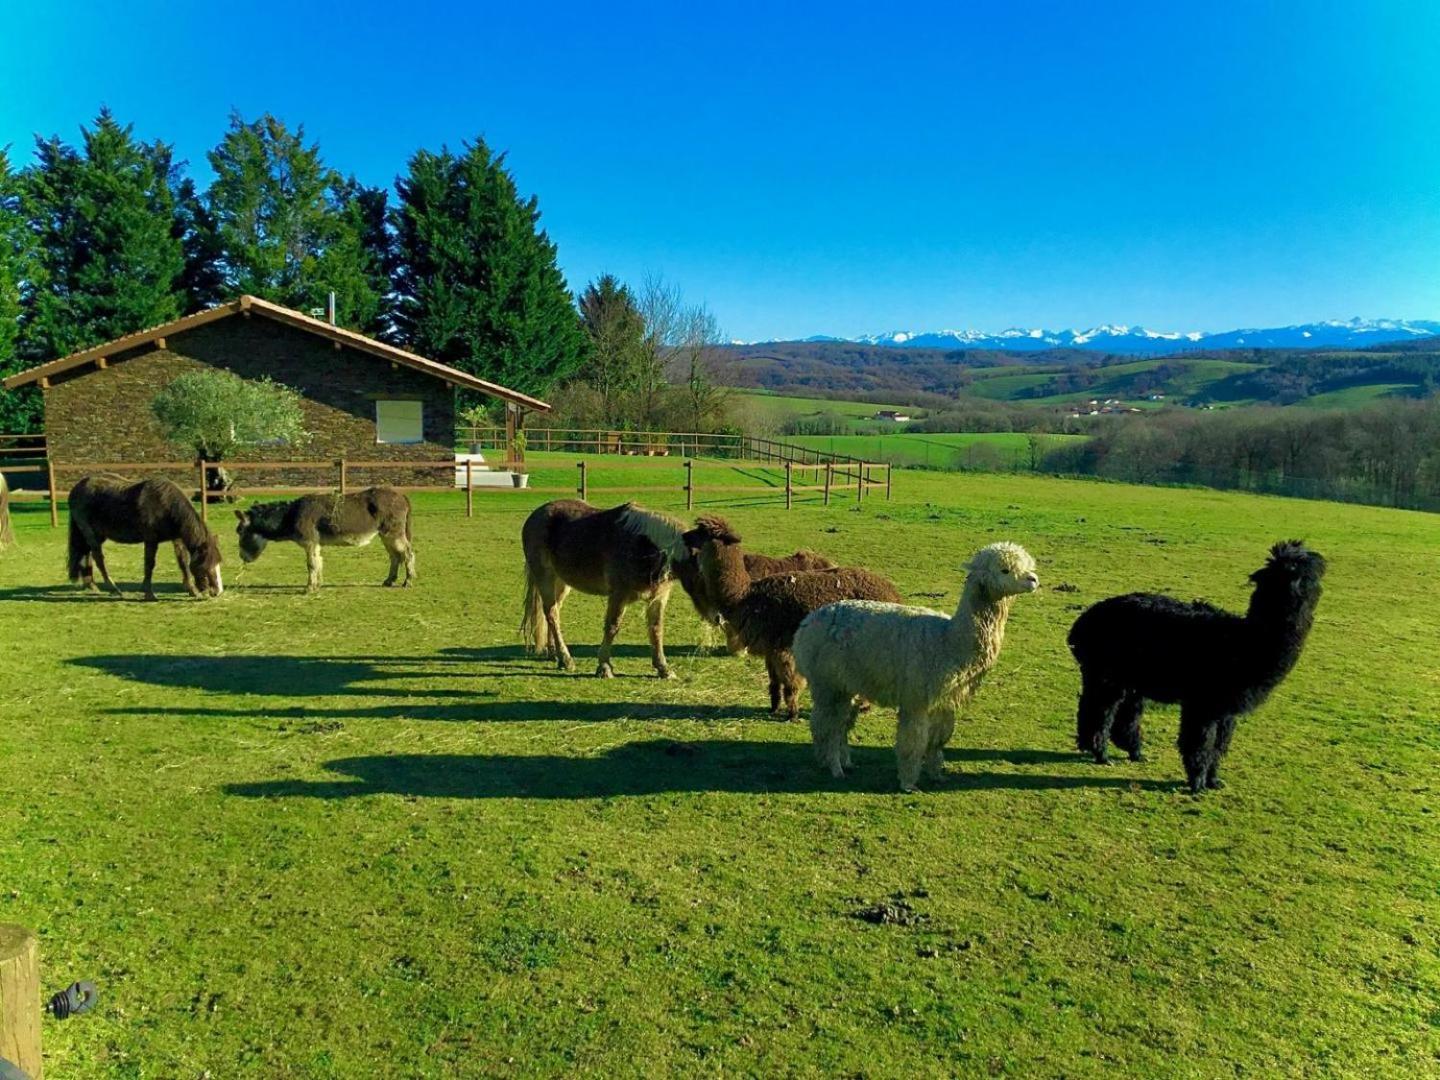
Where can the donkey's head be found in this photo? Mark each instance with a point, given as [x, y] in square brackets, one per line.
[205, 566]
[252, 543]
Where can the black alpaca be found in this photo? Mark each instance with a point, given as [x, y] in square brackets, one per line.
[1218, 666]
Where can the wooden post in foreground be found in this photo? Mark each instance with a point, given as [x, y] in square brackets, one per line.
[689, 485]
[204, 500]
[859, 481]
[829, 476]
[54, 494]
[889, 472]
[469, 489]
[20, 999]
[583, 485]
[789, 497]
[344, 477]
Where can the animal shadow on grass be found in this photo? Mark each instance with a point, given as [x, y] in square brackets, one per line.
[479, 709]
[651, 767]
[74, 594]
[285, 676]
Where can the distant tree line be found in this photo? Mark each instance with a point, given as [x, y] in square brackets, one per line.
[1387, 454]
[111, 236]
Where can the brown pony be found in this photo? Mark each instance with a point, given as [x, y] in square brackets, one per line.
[316, 521]
[626, 553]
[151, 512]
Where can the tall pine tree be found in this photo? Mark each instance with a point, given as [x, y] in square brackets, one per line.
[476, 284]
[19, 409]
[102, 228]
[286, 227]
[615, 330]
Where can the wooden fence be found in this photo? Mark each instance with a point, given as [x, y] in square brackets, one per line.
[833, 480]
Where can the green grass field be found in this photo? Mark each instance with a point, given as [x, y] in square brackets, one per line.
[362, 834]
[1353, 396]
[777, 408]
[941, 450]
[1117, 381]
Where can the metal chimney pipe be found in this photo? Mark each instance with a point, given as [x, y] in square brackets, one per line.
[330, 309]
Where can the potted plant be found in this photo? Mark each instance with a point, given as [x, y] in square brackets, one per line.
[518, 476]
[474, 417]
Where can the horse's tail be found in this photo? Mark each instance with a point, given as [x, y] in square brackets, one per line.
[7, 536]
[533, 627]
[79, 551]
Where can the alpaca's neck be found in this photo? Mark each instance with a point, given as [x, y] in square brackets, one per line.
[1280, 621]
[726, 578]
[977, 629]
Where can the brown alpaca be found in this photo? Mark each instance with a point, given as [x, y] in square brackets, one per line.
[756, 566]
[763, 614]
[626, 553]
[151, 512]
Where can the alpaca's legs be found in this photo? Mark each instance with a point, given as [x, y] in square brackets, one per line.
[614, 610]
[181, 558]
[314, 566]
[152, 549]
[655, 625]
[1223, 731]
[942, 726]
[912, 740]
[1125, 732]
[1199, 727]
[552, 595]
[774, 683]
[828, 727]
[788, 683]
[1095, 715]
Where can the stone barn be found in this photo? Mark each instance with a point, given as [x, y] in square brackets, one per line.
[364, 400]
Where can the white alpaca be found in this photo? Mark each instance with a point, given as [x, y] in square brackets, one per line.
[923, 663]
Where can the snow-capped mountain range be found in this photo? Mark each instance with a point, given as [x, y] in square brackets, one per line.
[1352, 333]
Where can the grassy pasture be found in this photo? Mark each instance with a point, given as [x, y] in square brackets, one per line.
[778, 408]
[361, 834]
[939, 450]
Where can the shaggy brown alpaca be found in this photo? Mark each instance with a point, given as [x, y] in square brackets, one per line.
[756, 566]
[316, 521]
[626, 553]
[763, 614]
[151, 512]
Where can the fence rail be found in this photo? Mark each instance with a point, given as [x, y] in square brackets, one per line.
[836, 478]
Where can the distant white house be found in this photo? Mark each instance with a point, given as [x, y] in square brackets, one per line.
[891, 416]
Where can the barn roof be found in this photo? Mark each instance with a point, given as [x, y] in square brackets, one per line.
[254, 305]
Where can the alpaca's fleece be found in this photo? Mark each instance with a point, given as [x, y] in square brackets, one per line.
[923, 663]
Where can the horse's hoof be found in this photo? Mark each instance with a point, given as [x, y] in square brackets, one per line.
[407, 583]
[1214, 783]
[1138, 756]
[150, 598]
[664, 673]
[604, 671]
[389, 584]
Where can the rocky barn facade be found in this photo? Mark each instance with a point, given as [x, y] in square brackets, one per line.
[363, 400]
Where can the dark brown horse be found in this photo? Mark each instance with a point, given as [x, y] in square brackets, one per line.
[626, 553]
[151, 512]
[316, 521]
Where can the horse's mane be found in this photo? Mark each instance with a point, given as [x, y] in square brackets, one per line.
[665, 532]
[268, 516]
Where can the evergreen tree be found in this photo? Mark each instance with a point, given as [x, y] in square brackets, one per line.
[284, 224]
[101, 219]
[477, 285]
[19, 409]
[616, 331]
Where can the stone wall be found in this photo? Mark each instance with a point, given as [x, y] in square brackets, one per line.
[103, 415]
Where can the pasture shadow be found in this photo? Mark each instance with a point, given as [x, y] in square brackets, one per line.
[74, 594]
[271, 675]
[478, 709]
[654, 767]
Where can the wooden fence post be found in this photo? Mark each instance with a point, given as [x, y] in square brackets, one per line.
[859, 481]
[20, 1000]
[54, 494]
[204, 491]
[583, 486]
[689, 485]
[343, 477]
[829, 476]
[889, 472]
[469, 488]
[789, 489]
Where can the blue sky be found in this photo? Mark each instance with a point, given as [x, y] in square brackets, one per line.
[848, 168]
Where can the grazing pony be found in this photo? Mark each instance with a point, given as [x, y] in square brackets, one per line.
[316, 521]
[626, 553]
[7, 535]
[151, 512]
[1216, 665]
